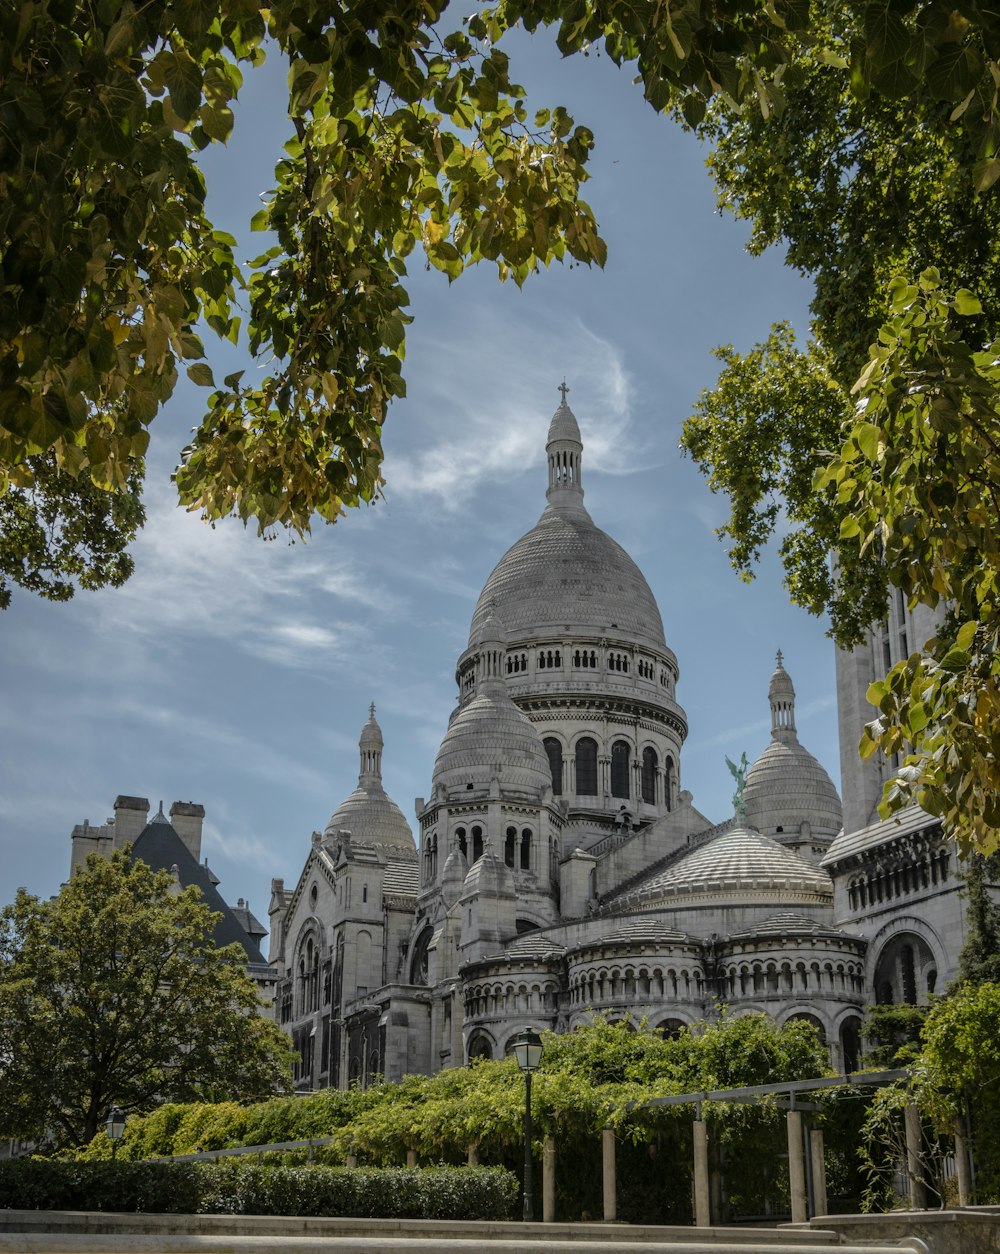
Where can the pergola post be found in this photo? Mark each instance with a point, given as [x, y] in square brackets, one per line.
[796, 1167]
[962, 1168]
[549, 1180]
[818, 1158]
[914, 1168]
[702, 1205]
[608, 1163]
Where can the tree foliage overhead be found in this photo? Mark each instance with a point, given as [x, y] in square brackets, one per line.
[400, 134]
[864, 139]
[874, 172]
[113, 993]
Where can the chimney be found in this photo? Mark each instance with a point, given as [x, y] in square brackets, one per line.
[131, 816]
[186, 819]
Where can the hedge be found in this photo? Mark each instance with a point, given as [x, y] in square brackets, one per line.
[243, 1188]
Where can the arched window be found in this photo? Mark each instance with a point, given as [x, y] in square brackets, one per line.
[586, 767]
[509, 846]
[526, 849]
[619, 769]
[554, 750]
[418, 964]
[477, 843]
[669, 783]
[649, 765]
[461, 842]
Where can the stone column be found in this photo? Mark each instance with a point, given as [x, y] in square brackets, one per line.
[914, 1169]
[608, 1163]
[816, 1150]
[457, 1024]
[702, 1210]
[962, 1168]
[549, 1180]
[796, 1167]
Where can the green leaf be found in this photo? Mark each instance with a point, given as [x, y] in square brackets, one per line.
[201, 374]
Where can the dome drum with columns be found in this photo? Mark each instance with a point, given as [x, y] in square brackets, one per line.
[563, 872]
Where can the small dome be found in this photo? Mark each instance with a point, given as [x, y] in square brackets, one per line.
[740, 865]
[491, 737]
[369, 813]
[372, 818]
[787, 787]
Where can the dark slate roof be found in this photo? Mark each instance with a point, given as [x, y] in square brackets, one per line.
[159, 846]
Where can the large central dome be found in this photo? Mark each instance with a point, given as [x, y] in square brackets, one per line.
[567, 574]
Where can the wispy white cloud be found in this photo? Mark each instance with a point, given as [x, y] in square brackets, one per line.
[297, 606]
[495, 438]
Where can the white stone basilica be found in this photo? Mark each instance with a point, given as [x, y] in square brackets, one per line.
[562, 871]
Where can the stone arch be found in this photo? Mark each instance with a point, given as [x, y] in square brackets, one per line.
[481, 1045]
[905, 971]
[420, 957]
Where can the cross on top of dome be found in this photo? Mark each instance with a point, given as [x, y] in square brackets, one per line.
[563, 389]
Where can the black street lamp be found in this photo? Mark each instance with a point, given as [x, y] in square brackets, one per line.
[116, 1129]
[527, 1049]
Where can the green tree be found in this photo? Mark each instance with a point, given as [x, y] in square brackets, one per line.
[878, 441]
[979, 961]
[113, 993]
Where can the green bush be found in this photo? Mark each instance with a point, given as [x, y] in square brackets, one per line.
[238, 1187]
[50, 1184]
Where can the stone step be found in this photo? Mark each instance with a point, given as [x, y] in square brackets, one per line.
[107, 1223]
[442, 1243]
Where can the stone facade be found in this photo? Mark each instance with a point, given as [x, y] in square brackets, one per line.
[560, 870]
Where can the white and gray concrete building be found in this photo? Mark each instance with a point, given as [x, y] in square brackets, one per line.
[558, 868]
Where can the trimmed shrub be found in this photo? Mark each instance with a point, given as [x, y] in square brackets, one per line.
[238, 1187]
[50, 1184]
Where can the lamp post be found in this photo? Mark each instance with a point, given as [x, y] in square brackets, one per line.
[527, 1049]
[116, 1129]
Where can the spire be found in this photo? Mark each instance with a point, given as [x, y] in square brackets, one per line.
[781, 695]
[564, 450]
[159, 816]
[371, 745]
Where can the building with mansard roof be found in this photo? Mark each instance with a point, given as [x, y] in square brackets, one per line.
[558, 868]
[173, 844]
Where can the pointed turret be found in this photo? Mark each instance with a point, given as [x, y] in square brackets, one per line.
[371, 745]
[564, 450]
[781, 695]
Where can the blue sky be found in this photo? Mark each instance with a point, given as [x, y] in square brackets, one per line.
[238, 673]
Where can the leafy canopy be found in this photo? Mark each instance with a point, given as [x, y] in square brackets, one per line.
[878, 441]
[400, 134]
[113, 993]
